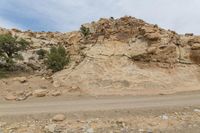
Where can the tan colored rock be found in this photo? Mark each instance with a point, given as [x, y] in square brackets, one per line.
[153, 36]
[195, 46]
[56, 93]
[193, 40]
[21, 96]
[147, 29]
[59, 118]
[40, 93]
[20, 92]
[50, 128]
[152, 50]
[74, 38]
[102, 62]
[21, 79]
[10, 97]
[56, 84]
[74, 89]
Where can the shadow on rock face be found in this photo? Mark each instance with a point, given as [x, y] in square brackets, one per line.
[195, 56]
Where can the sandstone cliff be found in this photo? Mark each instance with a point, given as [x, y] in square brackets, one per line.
[121, 56]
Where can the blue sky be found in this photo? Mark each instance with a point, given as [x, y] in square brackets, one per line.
[67, 15]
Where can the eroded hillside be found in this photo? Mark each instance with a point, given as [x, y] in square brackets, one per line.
[118, 56]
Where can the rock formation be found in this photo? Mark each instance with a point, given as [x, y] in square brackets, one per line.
[121, 55]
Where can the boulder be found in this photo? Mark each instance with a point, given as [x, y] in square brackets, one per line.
[56, 93]
[197, 110]
[195, 46]
[40, 93]
[153, 36]
[151, 50]
[193, 40]
[59, 118]
[10, 97]
[147, 29]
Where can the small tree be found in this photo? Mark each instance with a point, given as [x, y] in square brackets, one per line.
[57, 58]
[10, 48]
[85, 31]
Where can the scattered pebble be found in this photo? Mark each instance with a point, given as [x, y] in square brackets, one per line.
[164, 117]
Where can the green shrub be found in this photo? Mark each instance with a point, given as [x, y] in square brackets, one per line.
[57, 58]
[2, 74]
[10, 48]
[41, 53]
[5, 73]
[85, 31]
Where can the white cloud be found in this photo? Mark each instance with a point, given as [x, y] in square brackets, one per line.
[7, 24]
[65, 15]
[179, 15]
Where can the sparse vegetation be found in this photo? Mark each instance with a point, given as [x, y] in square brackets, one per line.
[10, 48]
[42, 53]
[85, 31]
[3, 74]
[10, 71]
[57, 58]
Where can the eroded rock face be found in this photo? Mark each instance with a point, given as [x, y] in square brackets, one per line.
[134, 56]
[125, 53]
[109, 69]
[195, 56]
[160, 45]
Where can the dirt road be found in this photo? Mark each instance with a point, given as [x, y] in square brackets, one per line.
[177, 113]
[98, 104]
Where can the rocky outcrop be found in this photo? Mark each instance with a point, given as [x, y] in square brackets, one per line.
[157, 45]
[121, 54]
[129, 54]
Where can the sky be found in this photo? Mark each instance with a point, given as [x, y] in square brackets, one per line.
[183, 16]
